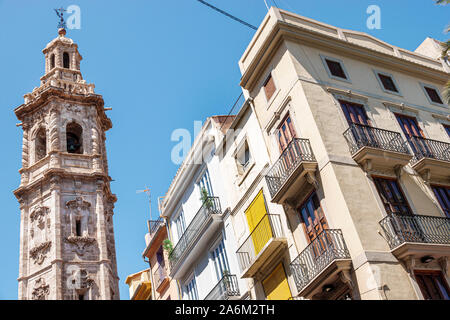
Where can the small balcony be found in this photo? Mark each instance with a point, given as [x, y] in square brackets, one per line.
[320, 263]
[265, 242]
[195, 237]
[296, 166]
[417, 235]
[431, 158]
[375, 148]
[154, 226]
[161, 279]
[226, 289]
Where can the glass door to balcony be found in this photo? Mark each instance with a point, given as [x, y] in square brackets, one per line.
[433, 285]
[396, 206]
[443, 196]
[359, 123]
[258, 222]
[286, 134]
[414, 135]
[276, 286]
[314, 221]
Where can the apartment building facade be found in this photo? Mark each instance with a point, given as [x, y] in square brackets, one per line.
[358, 139]
[197, 214]
[140, 285]
[163, 287]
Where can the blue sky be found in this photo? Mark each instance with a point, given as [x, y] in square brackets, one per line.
[160, 65]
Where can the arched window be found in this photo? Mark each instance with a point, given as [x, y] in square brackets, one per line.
[40, 145]
[74, 134]
[66, 60]
[52, 61]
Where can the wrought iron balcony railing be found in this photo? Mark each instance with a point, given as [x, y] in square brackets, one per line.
[323, 250]
[154, 225]
[427, 148]
[359, 136]
[211, 206]
[227, 287]
[159, 275]
[400, 228]
[297, 151]
[269, 227]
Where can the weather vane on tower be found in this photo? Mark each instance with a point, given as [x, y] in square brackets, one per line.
[60, 14]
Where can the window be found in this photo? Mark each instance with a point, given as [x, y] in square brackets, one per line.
[78, 228]
[269, 87]
[354, 113]
[205, 183]
[52, 61]
[276, 286]
[66, 60]
[447, 129]
[312, 216]
[443, 197]
[432, 94]
[219, 256]
[243, 157]
[432, 284]
[335, 68]
[392, 196]
[191, 289]
[74, 138]
[40, 145]
[286, 133]
[387, 82]
[180, 224]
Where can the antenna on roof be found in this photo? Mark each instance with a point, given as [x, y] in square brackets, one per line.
[147, 191]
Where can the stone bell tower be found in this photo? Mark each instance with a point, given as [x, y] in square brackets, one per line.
[67, 247]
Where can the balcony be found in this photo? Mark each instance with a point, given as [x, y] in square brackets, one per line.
[264, 243]
[431, 158]
[226, 289]
[320, 263]
[195, 237]
[161, 279]
[375, 148]
[291, 171]
[417, 235]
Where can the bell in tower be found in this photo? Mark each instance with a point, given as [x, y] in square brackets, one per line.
[67, 246]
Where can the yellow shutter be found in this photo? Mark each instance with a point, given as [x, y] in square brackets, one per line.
[257, 219]
[276, 285]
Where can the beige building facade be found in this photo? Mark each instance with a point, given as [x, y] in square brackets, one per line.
[358, 140]
[67, 246]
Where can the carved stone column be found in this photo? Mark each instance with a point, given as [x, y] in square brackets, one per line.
[56, 216]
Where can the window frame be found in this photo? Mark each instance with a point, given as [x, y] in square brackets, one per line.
[204, 171]
[386, 74]
[434, 274]
[240, 149]
[212, 252]
[423, 85]
[191, 280]
[325, 64]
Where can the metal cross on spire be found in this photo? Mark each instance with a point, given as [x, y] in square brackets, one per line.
[60, 14]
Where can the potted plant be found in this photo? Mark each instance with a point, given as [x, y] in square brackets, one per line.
[206, 199]
[168, 246]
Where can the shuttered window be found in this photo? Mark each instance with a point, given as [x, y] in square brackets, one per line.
[276, 286]
[269, 87]
[258, 222]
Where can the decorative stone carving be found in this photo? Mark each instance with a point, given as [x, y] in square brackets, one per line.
[39, 253]
[80, 243]
[38, 215]
[78, 212]
[41, 290]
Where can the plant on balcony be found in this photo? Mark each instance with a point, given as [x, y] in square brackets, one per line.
[226, 279]
[206, 199]
[168, 246]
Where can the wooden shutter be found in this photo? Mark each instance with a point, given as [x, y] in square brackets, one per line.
[276, 286]
[258, 222]
[269, 87]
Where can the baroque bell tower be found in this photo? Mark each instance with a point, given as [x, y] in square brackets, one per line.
[67, 247]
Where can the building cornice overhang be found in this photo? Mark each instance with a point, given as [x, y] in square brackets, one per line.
[283, 31]
[54, 93]
[60, 172]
